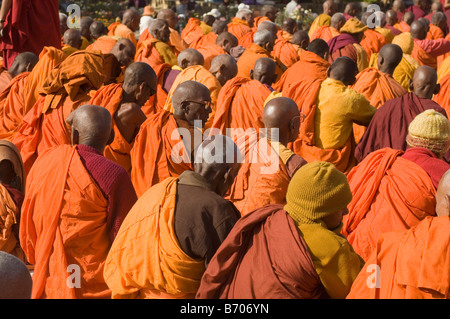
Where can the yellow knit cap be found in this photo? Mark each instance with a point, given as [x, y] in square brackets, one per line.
[353, 26]
[429, 129]
[316, 190]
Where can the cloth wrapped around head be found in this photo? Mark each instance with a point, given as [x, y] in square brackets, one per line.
[353, 26]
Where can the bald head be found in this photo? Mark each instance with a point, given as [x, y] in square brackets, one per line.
[85, 23]
[418, 30]
[226, 41]
[264, 71]
[170, 16]
[343, 69]
[264, 39]
[190, 57]
[159, 29]
[24, 62]
[425, 22]
[63, 22]
[246, 15]
[124, 51]
[443, 195]
[282, 114]
[337, 21]
[15, 278]
[131, 19]
[398, 5]
[352, 8]
[289, 25]
[139, 83]
[98, 29]
[391, 17]
[209, 19]
[91, 126]
[72, 37]
[319, 47]
[224, 68]
[269, 11]
[269, 26]
[389, 58]
[329, 7]
[301, 39]
[408, 17]
[183, 100]
[424, 82]
[219, 26]
[439, 19]
[217, 159]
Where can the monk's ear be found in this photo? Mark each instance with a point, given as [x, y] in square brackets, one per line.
[329, 71]
[251, 74]
[112, 135]
[411, 85]
[75, 137]
[184, 64]
[437, 89]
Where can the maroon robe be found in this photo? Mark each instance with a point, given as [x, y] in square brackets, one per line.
[394, 31]
[389, 125]
[284, 269]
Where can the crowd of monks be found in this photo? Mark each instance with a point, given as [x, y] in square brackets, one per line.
[230, 159]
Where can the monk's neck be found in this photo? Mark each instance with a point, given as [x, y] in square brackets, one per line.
[127, 98]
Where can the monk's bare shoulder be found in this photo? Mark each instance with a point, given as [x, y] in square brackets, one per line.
[129, 118]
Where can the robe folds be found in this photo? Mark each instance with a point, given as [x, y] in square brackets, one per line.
[103, 44]
[147, 241]
[205, 39]
[284, 269]
[157, 101]
[443, 97]
[122, 31]
[372, 42]
[59, 226]
[238, 27]
[286, 52]
[151, 53]
[325, 33]
[413, 264]
[165, 157]
[389, 193]
[209, 52]
[5, 79]
[192, 31]
[320, 21]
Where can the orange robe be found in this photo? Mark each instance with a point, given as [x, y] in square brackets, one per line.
[123, 31]
[240, 105]
[320, 21]
[5, 79]
[247, 61]
[413, 264]
[372, 42]
[59, 226]
[163, 269]
[389, 193]
[192, 31]
[403, 26]
[238, 27]
[176, 41]
[157, 101]
[103, 44]
[435, 33]
[199, 74]
[377, 87]
[440, 59]
[110, 97]
[325, 33]
[205, 39]
[11, 107]
[247, 39]
[209, 52]
[147, 52]
[286, 52]
[44, 125]
[443, 97]
[164, 157]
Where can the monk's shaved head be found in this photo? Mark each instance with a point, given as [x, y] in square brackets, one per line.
[124, 51]
[443, 195]
[337, 21]
[289, 25]
[24, 62]
[389, 58]
[282, 113]
[426, 22]
[209, 19]
[184, 98]
[72, 37]
[190, 57]
[219, 26]
[15, 278]
[343, 69]
[224, 68]
[352, 8]
[264, 71]
[91, 125]
[98, 29]
[217, 159]
[85, 23]
[391, 17]
[226, 41]
[139, 82]
[329, 7]
[131, 18]
[439, 19]
[265, 39]
[319, 47]
[301, 39]
[269, 11]
[159, 29]
[170, 16]
[269, 26]
[418, 30]
[408, 17]
[398, 5]
[424, 82]
[63, 22]
[246, 15]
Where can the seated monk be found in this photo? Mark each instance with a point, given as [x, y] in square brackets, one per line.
[348, 43]
[269, 165]
[268, 12]
[188, 216]
[443, 97]
[223, 68]
[193, 30]
[86, 199]
[66, 88]
[175, 39]
[438, 26]
[380, 26]
[426, 51]
[224, 42]
[71, 41]
[295, 249]
[394, 190]
[408, 259]
[328, 32]
[174, 137]
[377, 84]
[124, 102]
[289, 27]
[289, 52]
[218, 27]
[156, 50]
[241, 101]
[24, 62]
[15, 278]
[129, 25]
[115, 62]
[86, 38]
[263, 43]
[329, 9]
[352, 10]
[102, 41]
[389, 126]
[405, 24]
[242, 23]
[207, 22]
[12, 190]
[392, 21]
[247, 40]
